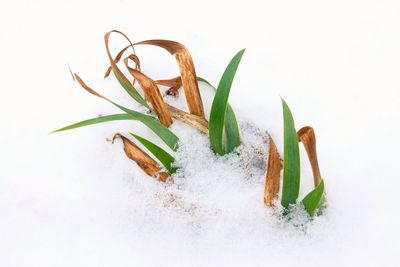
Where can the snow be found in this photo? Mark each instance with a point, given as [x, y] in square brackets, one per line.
[74, 199]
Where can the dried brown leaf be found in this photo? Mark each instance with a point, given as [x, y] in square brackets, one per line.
[143, 160]
[272, 177]
[306, 135]
[87, 88]
[187, 71]
[152, 93]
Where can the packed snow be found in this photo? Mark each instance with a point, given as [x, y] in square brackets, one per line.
[75, 199]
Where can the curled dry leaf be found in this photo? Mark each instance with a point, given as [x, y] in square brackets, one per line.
[87, 88]
[174, 85]
[306, 135]
[143, 160]
[272, 176]
[187, 71]
[116, 60]
[152, 93]
[125, 83]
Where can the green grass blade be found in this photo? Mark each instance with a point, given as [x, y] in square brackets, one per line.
[164, 157]
[155, 125]
[291, 160]
[219, 108]
[130, 89]
[313, 199]
[232, 132]
[200, 79]
[114, 117]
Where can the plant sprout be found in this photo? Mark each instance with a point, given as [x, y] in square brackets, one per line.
[222, 128]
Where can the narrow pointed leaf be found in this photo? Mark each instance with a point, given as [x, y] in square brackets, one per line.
[313, 199]
[291, 159]
[101, 119]
[163, 132]
[125, 83]
[163, 156]
[232, 132]
[219, 106]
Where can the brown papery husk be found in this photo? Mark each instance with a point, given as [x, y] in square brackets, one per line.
[187, 71]
[143, 160]
[152, 93]
[306, 135]
[272, 176]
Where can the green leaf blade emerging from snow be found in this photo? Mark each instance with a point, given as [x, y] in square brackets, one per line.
[219, 109]
[313, 199]
[164, 157]
[291, 159]
[231, 126]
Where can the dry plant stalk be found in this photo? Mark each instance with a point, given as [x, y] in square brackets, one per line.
[152, 93]
[197, 122]
[272, 177]
[306, 135]
[142, 159]
[187, 70]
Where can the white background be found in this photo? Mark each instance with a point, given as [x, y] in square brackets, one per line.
[64, 198]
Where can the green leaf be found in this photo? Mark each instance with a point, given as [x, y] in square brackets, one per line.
[164, 157]
[313, 199]
[291, 160]
[114, 117]
[200, 79]
[232, 132]
[155, 125]
[129, 88]
[163, 132]
[218, 116]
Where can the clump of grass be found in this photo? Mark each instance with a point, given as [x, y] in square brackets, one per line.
[291, 167]
[223, 129]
